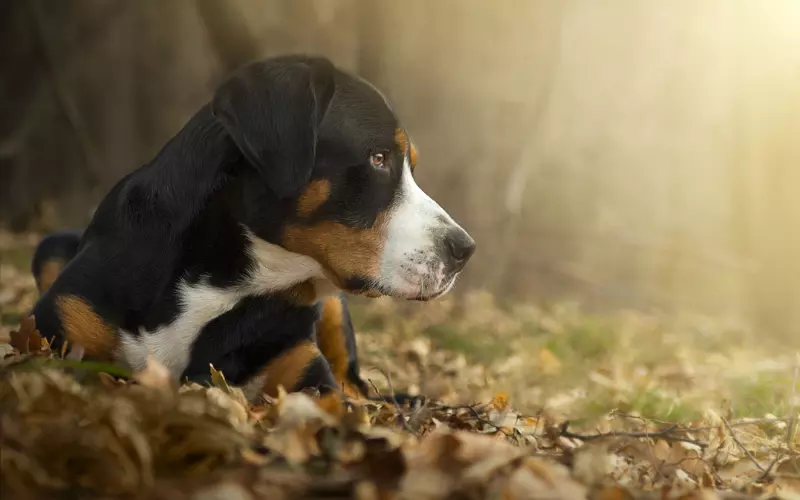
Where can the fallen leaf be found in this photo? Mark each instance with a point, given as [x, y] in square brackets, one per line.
[237, 411]
[549, 362]
[155, 376]
[236, 393]
[499, 401]
[593, 463]
[27, 339]
[298, 408]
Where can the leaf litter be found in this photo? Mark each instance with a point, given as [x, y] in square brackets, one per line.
[557, 410]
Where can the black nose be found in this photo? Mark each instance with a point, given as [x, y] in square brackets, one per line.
[460, 246]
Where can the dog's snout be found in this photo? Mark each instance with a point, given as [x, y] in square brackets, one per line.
[460, 246]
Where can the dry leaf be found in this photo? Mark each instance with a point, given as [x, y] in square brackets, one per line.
[155, 376]
[298, 408]
[236, 410]
[27, 339]
[218, 378]
[109, 380]
[499, 401]
[593, 463]
[549, 362]
[236, 393]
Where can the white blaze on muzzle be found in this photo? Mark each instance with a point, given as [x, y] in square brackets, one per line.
[413, 261]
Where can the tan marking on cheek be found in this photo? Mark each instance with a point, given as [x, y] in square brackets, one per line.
[343, 251]
[48, 274]
[288, 368]
[84, 327]
[313, 197]
[403, 144]
[331, 338]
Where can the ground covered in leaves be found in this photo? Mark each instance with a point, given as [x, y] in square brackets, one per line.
[528, 402]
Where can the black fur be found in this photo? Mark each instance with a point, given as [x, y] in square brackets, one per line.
[281, 145]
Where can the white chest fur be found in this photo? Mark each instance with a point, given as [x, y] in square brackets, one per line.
[199, 303]
[171, 344]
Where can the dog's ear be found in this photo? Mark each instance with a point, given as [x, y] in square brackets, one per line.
[272, 111]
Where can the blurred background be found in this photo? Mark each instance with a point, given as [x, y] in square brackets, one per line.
[624, 154]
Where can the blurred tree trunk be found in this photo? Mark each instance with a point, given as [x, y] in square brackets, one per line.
[529, 158]
[93, 89]
[776, 284]
[40, 141]
[231, 39]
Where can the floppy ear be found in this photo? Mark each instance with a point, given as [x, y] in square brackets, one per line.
[272, 111]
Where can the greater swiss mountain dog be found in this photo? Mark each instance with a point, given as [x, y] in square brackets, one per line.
[233, 245]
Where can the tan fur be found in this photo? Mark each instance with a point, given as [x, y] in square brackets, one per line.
[313, 197]
[287, 369]
[403, 144]
[343, 251]
[48, 274]
[82, 326]
[330, 338]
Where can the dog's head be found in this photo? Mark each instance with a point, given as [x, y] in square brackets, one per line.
[329, 147]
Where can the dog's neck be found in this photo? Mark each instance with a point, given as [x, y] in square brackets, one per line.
[213, 198]
[246, 253]
[277, 270]
[189, 170]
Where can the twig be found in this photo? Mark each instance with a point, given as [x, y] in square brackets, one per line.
[388, 382]
[766, 472]
[741, 423]
[472, 406]
[374, 388]
[792, 415]
[474, 413]
[415, 419]
[399, 408]
[740, 445]
[665, 434]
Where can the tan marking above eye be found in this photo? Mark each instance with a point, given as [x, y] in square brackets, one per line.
[404, 144]
[313, 197]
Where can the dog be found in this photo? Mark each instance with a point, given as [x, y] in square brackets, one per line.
[234, 244]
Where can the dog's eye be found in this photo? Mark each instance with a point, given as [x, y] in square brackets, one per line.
[378, 160]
